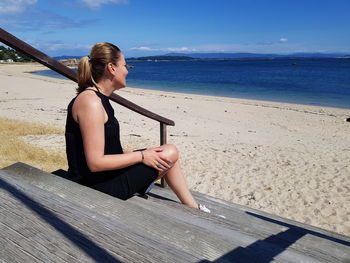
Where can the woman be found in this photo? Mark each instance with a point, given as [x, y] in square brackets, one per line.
[95, 156]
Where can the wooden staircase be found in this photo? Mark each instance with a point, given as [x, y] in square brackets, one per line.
[46, 218]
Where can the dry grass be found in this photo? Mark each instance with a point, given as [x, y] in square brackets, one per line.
[14, 149]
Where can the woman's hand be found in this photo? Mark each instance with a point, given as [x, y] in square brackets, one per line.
[153, 158]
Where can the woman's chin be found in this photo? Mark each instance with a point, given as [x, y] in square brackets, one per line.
[120, 87]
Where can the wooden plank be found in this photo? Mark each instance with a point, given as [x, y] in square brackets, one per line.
[168, 212]
[222, 207]
[53, 229]
[327, 245]
[53, 64]
[295, 244]
[138, 214]
[225, 235]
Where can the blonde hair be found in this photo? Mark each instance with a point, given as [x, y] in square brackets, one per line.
[91, 68]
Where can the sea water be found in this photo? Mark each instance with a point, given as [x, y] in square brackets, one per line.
[323, 82]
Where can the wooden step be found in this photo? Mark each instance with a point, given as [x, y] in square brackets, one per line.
[244, 234]
[313, 241]
[187, 234]
[39, 226]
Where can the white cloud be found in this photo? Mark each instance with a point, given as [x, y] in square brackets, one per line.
[283, 40]
[263, 48]
[97, 3]
[179, 49]
[41, 21]
[15, 6]
[56, 46]
[143, 49]
[167, 49]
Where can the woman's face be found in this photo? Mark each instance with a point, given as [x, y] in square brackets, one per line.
[121, 72]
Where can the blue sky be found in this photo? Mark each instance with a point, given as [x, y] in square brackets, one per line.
[150, 27]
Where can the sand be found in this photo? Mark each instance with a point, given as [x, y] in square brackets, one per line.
[286, 159]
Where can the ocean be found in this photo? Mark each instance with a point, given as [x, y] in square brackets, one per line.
[322, 82]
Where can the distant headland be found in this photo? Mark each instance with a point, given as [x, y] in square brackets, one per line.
[222, 56]
[230, 56]
[11, 55]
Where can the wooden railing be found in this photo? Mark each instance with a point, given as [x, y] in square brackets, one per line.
[55, 65]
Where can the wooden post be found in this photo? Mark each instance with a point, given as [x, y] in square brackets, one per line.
[163, 140]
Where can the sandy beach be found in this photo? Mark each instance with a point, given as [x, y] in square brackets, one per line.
[286, 159]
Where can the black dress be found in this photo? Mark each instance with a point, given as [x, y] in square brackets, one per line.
[121, 183]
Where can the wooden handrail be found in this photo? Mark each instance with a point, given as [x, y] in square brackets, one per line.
[42, 58]
[55, 65]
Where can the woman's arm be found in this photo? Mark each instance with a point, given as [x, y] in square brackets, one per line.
[91, 116]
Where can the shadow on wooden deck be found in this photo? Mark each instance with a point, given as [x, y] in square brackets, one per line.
[45, 218]
[94, 251]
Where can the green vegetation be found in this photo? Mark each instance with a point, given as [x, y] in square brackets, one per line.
[11, 55]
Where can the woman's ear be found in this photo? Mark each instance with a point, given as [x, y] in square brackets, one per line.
[110, 68]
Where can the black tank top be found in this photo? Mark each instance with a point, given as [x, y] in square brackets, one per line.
[77, 166]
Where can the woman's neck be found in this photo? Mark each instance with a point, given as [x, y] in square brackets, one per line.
[105, 87]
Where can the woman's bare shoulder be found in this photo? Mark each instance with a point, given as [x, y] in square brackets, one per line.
[88, 99]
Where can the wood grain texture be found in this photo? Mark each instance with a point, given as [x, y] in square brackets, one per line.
[38, 226]
[243, 235]
[319, 243]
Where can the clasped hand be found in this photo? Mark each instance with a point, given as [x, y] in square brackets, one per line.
[156, 158]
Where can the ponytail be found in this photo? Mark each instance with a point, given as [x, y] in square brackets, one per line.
[84, 74]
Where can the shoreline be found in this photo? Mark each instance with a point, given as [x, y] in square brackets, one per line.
[132, 89]
[287, 159]
[278, 100]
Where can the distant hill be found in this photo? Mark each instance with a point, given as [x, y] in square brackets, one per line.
[159, 58]
[196, 56]
[221, 55]
[318, 55]
[12, 55]
[257, 55]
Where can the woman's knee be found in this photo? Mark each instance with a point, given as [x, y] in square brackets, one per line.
[170, 152]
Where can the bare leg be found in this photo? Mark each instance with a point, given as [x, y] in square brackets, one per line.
[177, 182]
[175, 177]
